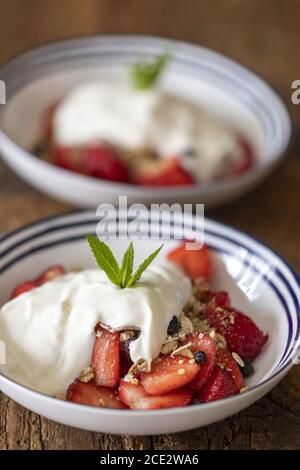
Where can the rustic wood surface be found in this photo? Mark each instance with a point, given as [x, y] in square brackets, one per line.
[265, 37]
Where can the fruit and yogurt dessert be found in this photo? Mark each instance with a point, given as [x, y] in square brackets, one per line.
[157, 337]
[136, 132]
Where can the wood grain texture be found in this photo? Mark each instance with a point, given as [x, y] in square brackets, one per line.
[263, 36]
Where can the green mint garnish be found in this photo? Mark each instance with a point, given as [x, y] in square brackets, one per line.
[120, 276]
[144, 73]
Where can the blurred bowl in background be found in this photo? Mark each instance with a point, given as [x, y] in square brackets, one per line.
[38, 78]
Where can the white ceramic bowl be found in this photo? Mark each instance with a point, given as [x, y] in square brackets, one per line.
[259, 282]
[39, 77]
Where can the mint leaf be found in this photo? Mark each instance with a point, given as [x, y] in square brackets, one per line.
[145, 74]
[127, 265]
[136, 276]
[105, 259]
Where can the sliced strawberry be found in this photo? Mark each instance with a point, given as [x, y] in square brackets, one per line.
[241, 333]
[166, 173]
[206, 344]
[130, 393]
[195, 263]
[219, 385]
[70, 158]
[219, 299]
[168, 374]
[106, 358]
[90, 394]
[104, 162]
[171, 400]
[21, 288]
[224, 357]
[49, 274]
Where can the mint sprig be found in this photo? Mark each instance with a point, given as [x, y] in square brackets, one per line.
[122, 276]
[144, 73]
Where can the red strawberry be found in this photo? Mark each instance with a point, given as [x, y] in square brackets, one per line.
[219, 385]
[90, 394]
[106, 358]
[21, 288]
[171, 400]
[219, 299]
[241, 333]
[168, 374]
[103, 162]
[49, 274]
[195, 263]
[206, 344]
[225, 358]
[130, 394]
[69, 158]
[167, 173]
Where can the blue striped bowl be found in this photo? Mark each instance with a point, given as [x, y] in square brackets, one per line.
[259, 281]
[41, 76]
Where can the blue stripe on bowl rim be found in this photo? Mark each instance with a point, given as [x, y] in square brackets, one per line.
[222, 71]
[92, 220]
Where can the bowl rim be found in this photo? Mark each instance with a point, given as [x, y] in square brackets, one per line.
[281, 371]
[209, 187]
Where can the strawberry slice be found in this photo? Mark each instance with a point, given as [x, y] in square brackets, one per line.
[104, 162]
[171, 400]
[130, 393]
[219, 385]
[49, 274]
[168, 374]
[21, 288]
[224, 357]
[90, 394]
[241, 333]
[69, 158]
[166, 173]
[203, 343]
[195, 263]
[106, 358]
[219, 299]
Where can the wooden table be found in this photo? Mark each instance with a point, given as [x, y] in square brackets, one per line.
[263, 36]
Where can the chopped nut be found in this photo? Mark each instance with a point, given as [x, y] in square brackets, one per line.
[101, 402]
[186, 324]
[181, 361]
[169, 347]
[98, 333]
[126, 335]
[181, 349]
[238, 359]
[139, 366]
[181, 371]
[134, 381]
[231, 319]
[192, 361]
[212, 333]
[86, 375]
[243, 389]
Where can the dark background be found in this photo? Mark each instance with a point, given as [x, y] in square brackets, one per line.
[265, 36]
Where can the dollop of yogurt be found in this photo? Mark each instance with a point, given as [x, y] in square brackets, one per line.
[161, 121]
[49, 331]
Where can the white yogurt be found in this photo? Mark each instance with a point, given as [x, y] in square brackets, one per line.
[131, 119]
[49, 331]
